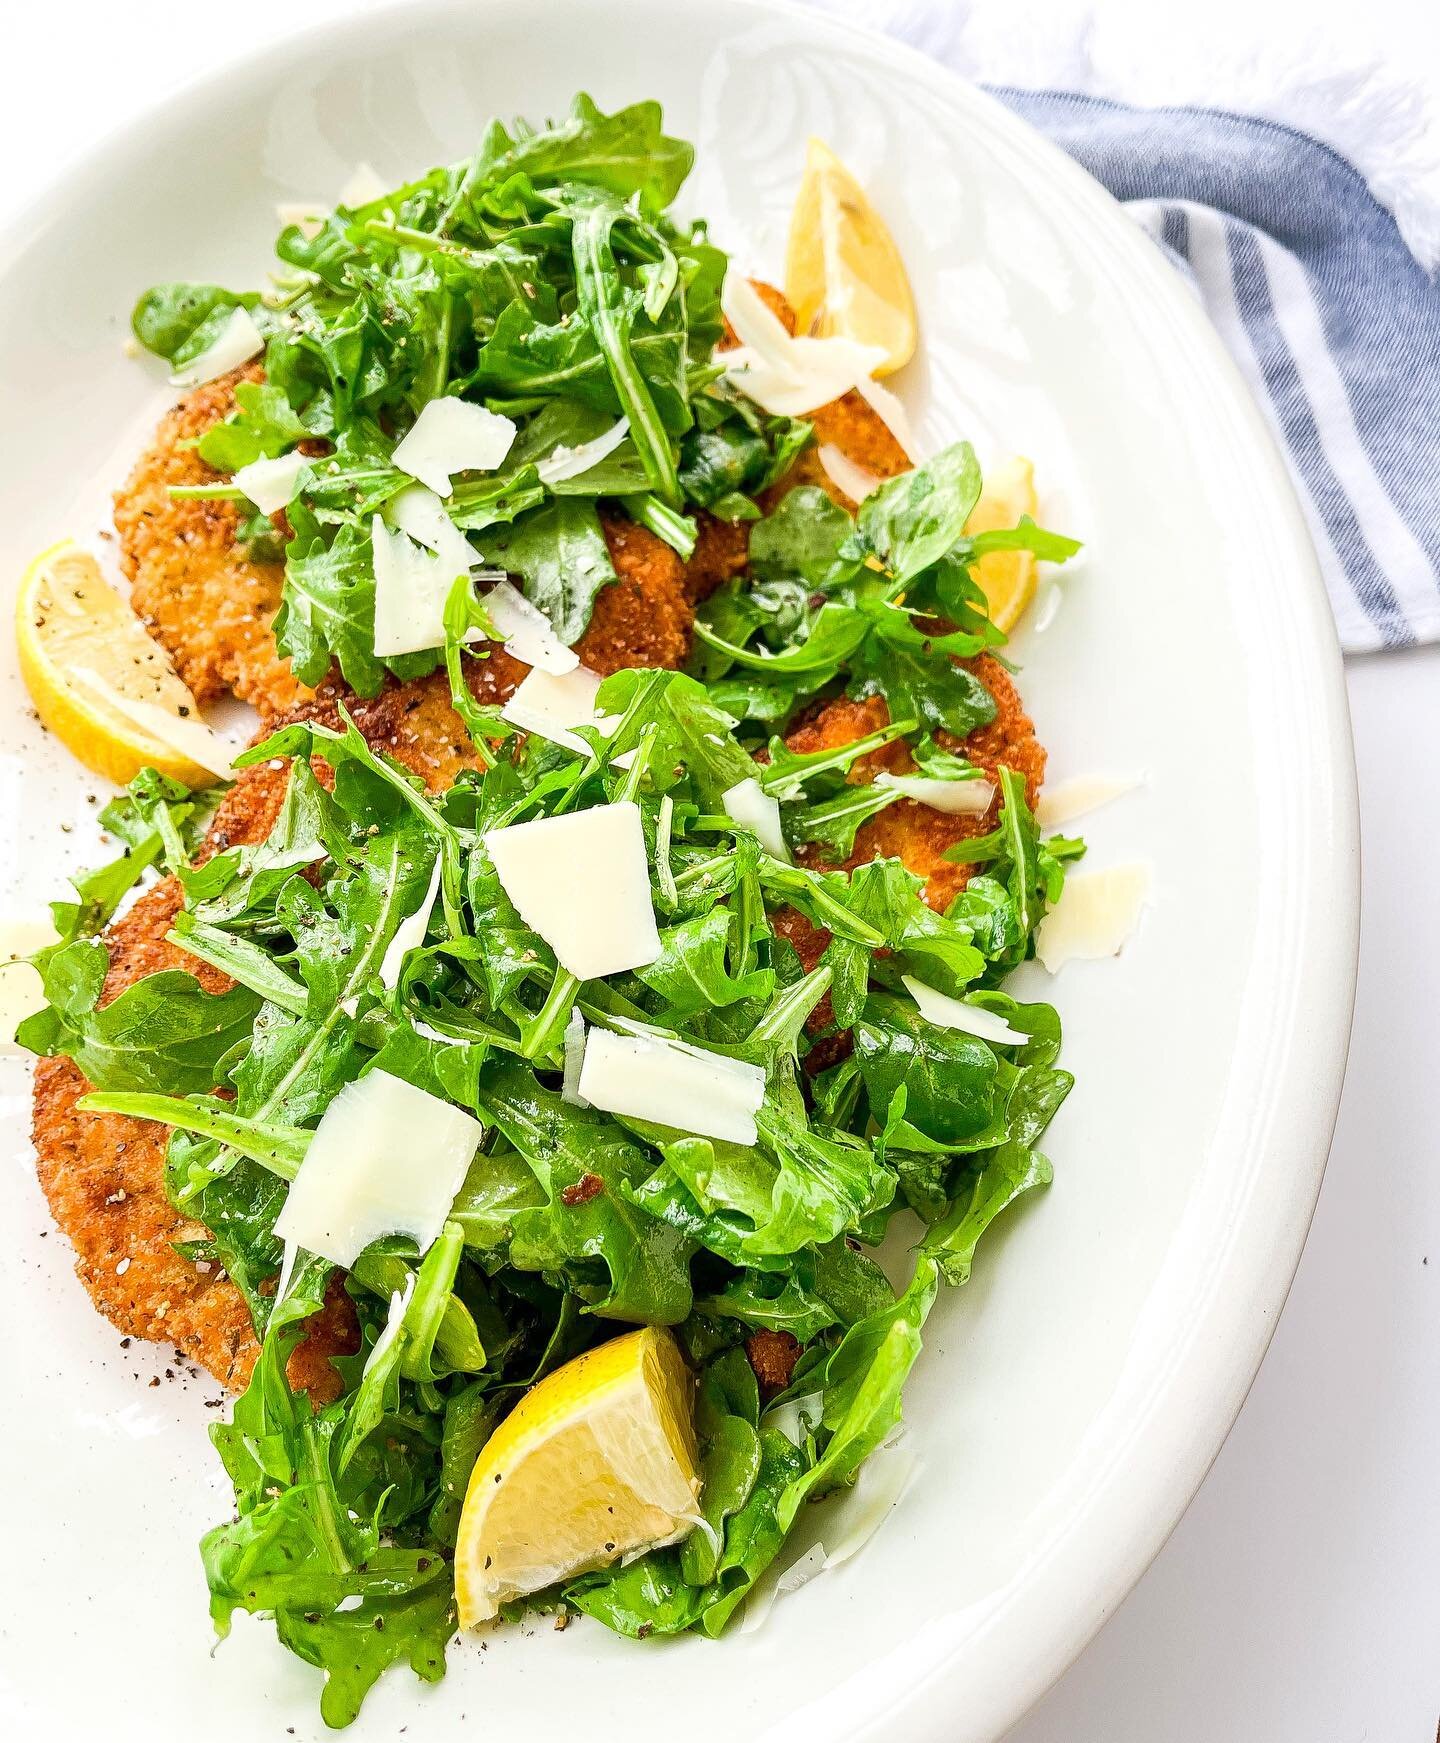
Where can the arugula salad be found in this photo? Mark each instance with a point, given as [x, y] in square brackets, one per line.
[613, 1029]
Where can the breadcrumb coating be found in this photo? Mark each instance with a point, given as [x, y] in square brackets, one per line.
[212, 609]
[193, 587]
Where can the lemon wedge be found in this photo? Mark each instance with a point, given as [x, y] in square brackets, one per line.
[595, 1462]
[843, 273]
[98, 680]
[1007, 577]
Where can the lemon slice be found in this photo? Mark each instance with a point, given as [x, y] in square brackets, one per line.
[1007, 577]
[595, 1462]
[843, 272]
[100, 683]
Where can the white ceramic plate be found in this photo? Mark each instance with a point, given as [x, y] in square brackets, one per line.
[1071, 1399]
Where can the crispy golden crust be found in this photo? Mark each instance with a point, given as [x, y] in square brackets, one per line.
[907, 830]
[104, 1174]
[643, 618]
[194, 590]
[721, 552]
[212, 610]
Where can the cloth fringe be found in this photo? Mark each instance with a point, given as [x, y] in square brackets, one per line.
[1342, 93]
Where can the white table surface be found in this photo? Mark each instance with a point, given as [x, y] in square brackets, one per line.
[1299, 1599]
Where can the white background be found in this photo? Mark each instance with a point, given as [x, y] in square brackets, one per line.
[1299, 1600]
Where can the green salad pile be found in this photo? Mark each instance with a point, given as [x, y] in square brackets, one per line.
[543, 279]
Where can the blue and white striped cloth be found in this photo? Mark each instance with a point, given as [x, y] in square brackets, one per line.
[1305, 274]
[1332, 320]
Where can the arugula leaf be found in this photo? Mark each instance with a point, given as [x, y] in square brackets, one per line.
[162, 1032]
[949, 1077]
[911, 522]
[559, 551]
[168, 317]
[263, 425]
[566, 1147]
[328, 609]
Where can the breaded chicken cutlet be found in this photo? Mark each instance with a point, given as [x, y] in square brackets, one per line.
[211, 609]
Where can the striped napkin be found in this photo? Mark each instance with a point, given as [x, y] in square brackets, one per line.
[1312, 285]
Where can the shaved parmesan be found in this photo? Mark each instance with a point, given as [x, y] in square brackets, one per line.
[947, 1013]
[748, 804]
[399, 1305]
[237, 342]
[420, 513]
[271, 484]
[887, 407]
[582, 881]
[850, 1520]
[855, 1517]
[787, 377]
[1067, 800]
[562, 462]
[365, 184]
[652, 1078]
[526, 630]
[409, 934]
[386, 1159]
[955, 798]
[552, 706]
[574, 1060]
[796, 1417]
[756, 325]
[801, 1571]
[452, 435]
[1096, 914]
[192, 738]
[854, 481]
[411, 586]
[1050, 602]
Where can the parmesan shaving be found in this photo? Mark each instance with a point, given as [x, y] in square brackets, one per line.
[582, 881]
[860, 1512]
[796, 1416]
[271, 484]
[409, 934]
[748, 804]
[673, 1084]
[1095, 916]
[955, 798]
[386, 1159]
[527, 632]
[21, 991]
[307, 216]
[422, 515]
[787, 376]
[574, 1045]
[947, 1013]
[848, 478]
[411, 587]
[887, 407]
[562, 462]
[1080, 795]
[364, 185]
[237, 342]
[552, 706]
[452, 435]
[399, 1305]
[802, 1571]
